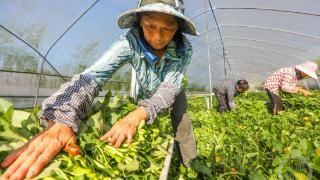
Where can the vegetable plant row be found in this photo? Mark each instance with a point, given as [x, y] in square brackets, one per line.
[250, 143]
[143, 159]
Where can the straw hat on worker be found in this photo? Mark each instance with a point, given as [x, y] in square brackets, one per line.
[309, 68]
[130, 18]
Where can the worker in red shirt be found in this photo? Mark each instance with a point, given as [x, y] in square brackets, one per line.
[286, 79]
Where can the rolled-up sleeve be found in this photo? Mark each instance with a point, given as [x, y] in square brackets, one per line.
[164, 96]
[72, 101]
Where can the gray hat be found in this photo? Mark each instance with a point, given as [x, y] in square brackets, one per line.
[173, 7]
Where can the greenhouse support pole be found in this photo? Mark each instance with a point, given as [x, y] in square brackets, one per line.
[35, 102]
[209, 58]
[134, 85]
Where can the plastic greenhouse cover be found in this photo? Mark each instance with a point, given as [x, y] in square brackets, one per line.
[257, 38]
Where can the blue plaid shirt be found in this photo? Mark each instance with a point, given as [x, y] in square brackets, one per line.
[158, 83]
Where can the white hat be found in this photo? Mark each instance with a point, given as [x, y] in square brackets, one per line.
[308, 68]
[173, 7]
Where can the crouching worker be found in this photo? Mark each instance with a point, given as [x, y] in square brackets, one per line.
[158, 51]
[226, 91]
[286, 79]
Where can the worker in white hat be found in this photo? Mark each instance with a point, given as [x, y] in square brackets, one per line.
[158, 51]
[286, 79]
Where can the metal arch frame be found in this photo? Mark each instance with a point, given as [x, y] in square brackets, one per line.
[211, 48]
[217, 71]
[249, 54]
[220, 70]
[44, 57]
[214, 72]
[278, 10]
[256, 48]
[250, 75]
[201, 79]
[262, 41]
[218, 54]
[274, 29]
[234, 52]
[273, 43]
[201, 55]
[257, 60]
[260, 27]
[33, 48]
[259, 9]
[56, 41]
[264, 49]
[257, 79]
[239, 61]
[256, 72]
[253, 54]
[236, 75]
[264, 69]
[52, 75]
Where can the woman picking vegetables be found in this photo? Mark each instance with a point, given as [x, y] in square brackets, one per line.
[286, 79]
[226, 91]
[159, 53]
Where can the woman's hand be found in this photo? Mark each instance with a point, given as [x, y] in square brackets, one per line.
[304, 92]
[125, 128]
[31, 158]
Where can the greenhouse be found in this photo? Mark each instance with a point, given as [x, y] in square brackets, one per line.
[160, 89]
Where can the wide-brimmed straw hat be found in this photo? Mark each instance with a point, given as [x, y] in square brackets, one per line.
[173, 7]
[308, 68]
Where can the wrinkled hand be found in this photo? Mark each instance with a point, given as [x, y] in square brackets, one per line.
[125, 128]
[31, 158]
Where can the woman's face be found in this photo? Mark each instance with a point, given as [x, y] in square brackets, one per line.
[303, 74]
[158, 29]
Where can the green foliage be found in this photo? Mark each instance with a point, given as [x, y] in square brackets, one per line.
[185, 82]
[143, 159]
[250, 143]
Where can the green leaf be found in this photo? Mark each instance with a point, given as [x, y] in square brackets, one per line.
[295, 153]
[115, 103]
[250, 155]
[11, 135]
[107, 98]
[6, 109]
[257, 176]
[130, 166]
[114, 118]
[276, 162]
[300, 175]
[96, 121]
[18, 117]
[201, 167]
[306, 147]
[316, 164]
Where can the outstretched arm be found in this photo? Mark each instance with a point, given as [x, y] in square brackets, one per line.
[295, 89]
